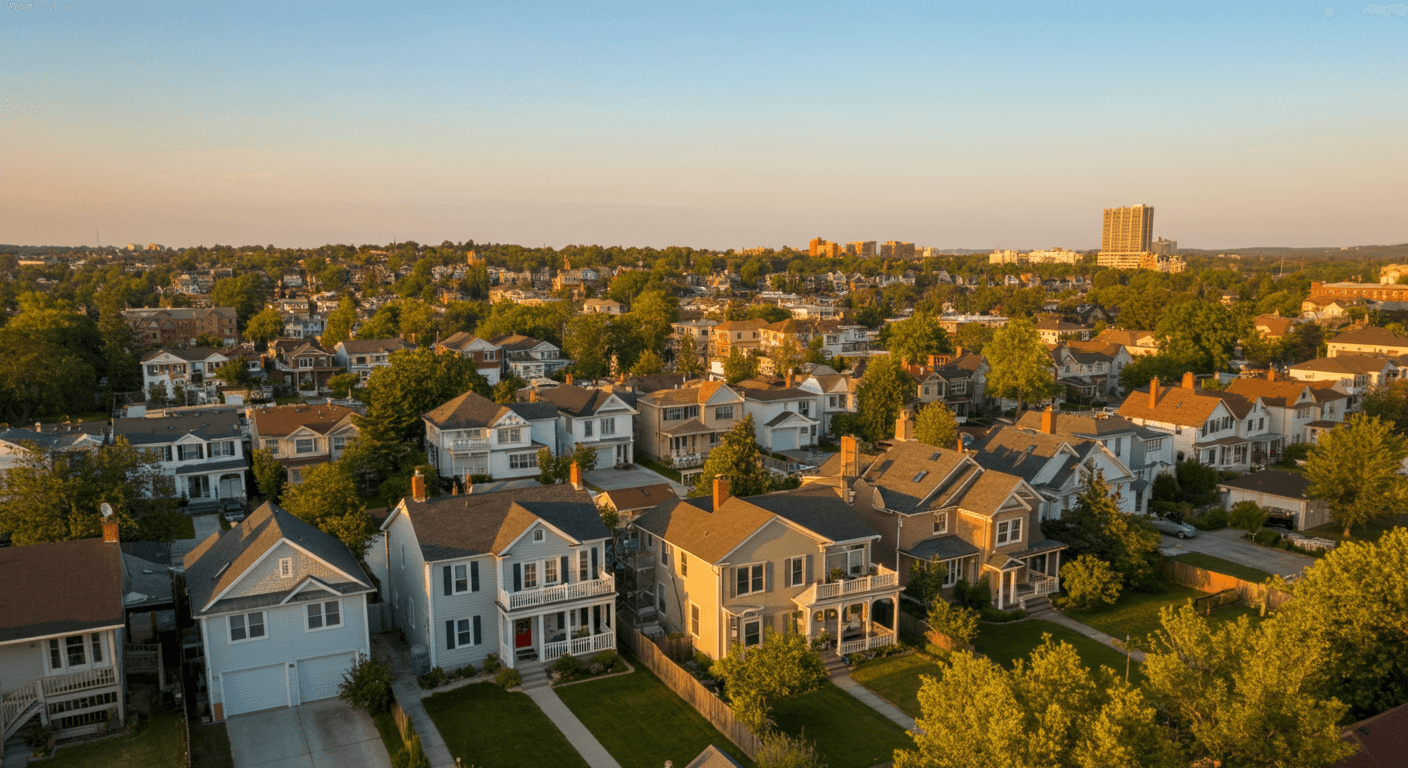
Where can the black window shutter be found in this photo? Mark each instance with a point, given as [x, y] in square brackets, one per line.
[478, 637]
[517, 577]
[474, 576]
[593, 574]
[450, 635]
[449, 585]
[564, 570]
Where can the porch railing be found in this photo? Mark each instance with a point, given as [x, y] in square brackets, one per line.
[15, 704]
[79, 681]
[685, 460]
[1041, 584]
[883, 579]
[464, 446]
[878, 638]
[545, 595]
[141, 657]
[579, 646]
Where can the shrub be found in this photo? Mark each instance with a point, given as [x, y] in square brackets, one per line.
[367, 685]
[508, 678]
[1247, 516]
[1267, 538]
[993, 616]
[607, 660]
[779, 750]
[568, 666]
[976, 596]
[1294, 453]
[432, 679]
[957, 621]
[461, 673]
[1166, 489]
[492, 663]
[1090, 582]
[1198, 483]
[1211, 520]
[37, 738]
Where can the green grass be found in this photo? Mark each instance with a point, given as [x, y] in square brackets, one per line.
[390, 736]
[160, 743]
[1136, 614]
[643, 723]
[848, 734]
[1218, 565]
[1333, 532]
[897, 678]
[210, 746]
[1005, 643]
[486, 725]
[673, 474]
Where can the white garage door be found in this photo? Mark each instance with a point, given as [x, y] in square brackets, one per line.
[255, 689]
[606, 457]
[318, 678]
[784, 439]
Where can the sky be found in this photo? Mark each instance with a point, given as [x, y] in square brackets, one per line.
[712, 125]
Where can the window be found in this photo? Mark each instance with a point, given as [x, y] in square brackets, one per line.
[538, 534]
[74, 647]
[246, 626]
[324, 615]
[749, 579]
[587, 428]
[523, 461]
[940, 522]
[464, 633]
[338, 443]
[583, 573]
[832, 401]
[953, 570]
[305, 362]
[222, 448]
[1009, 531]
[188, 452]
[723, 412]
[752, 632]
[796, 571]
[56, 659]
[694, 619]
[285, 567]
[660, 598]
[804, 407]
[665, 550]
[608, 427]
[684, 563]
[461, 580]
[512, 435]
[304, 445]
[530, 575]
[550, 571]
[272, 446]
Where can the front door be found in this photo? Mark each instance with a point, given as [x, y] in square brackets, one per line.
[522, 633]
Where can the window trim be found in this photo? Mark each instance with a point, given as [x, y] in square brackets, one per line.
[285, 567]
[244, 617]
[939, 530]
[322, 615]
[761, 579]
[455, 579]
[1004, 535]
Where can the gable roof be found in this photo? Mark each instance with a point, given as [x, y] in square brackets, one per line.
[57, 588]
[449, 527]
[1021, 452]
[575, 400]
[1082, 425]
[517, 342]
[1276, 482]
[1278, 393]
[909, 473]
[1275, 325]
[287, 419]
[366, 346]
[206, 424]
[691, 393]
[467, 411]
[1176, 405]
[217, 563]
[1125, 338]
[189, 354]
[1346, 363]
[640, 497]
[1373, 336]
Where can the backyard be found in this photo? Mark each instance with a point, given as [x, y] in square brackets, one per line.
[646, 724]
[1136, 614]
[485, 725]
[848, 734]
[158, 743]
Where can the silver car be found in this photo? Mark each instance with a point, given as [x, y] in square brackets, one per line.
[1171, 528]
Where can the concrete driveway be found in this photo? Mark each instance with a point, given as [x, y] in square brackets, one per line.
[324, 734]
[1228, 544]
[612, 479]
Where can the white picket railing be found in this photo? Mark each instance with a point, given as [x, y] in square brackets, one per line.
[79, 681]
[543, 596]
[465, 446]
[884, 579]
[1041, 584]
[879, 637]
[579, 646]
[16, 703]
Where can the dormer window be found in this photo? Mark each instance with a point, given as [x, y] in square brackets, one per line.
[538, 535]
[285, 567]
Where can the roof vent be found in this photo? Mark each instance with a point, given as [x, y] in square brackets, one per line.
[921, 475]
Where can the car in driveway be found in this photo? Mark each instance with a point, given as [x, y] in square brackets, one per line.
[1173, 528]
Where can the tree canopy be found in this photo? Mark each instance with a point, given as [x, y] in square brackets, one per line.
[885, 388]
[737, 458]
[1022, 369]
[1355, 469]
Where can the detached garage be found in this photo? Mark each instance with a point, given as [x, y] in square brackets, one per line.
[1280, 493]
[252, 690]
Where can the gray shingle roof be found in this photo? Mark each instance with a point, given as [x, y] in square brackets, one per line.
[467, 411]
[207, 425]
[1273, 481]
[449, 527]
[820, 510]
[62, 587]
[942, 548]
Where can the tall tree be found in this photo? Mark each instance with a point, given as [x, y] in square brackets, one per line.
[1389, 402]
[913, 340]
[264, 327]
[884, 389]
[687, 360]
[737, 458]
[786, 358]
[327, 499]
[936, 426]
[1022, 369]
[647, 364]
[243, 292]
[340, 322]
[1354, 468]
[654, 312]
[1204, 333]
[739, 366]
[1096, 526]
[269, 473]
[587, 343]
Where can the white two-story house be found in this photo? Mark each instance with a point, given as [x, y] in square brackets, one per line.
[1221, 429]
[529, 358]
[302, 436]
[1055, 465]
[784, 419]
[520, 574]
[189, 368]
[282, 608]
[203, 450]
[472, 435]
[595, 418]
[836, 393]
[362, 356]
[1297, 412]
[488, 359]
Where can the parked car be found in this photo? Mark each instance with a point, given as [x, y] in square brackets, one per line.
[1172, 528]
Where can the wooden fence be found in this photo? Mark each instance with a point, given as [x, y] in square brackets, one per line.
[692, 691]
[1204, 580]
[913, 625]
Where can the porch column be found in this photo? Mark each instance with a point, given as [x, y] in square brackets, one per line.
[1000, 589]
[538, 635]
[869, 618]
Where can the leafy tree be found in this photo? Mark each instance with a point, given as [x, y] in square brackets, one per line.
[541, 321]
[779, 750]
[768, 312]
[51, 361]
[884, 390]
[1197, 482]
[1389, 402]
[340, 322]
[688, 360]
[243, 292]
[1164, 366]
[1090, 582]
[913, 340]
[1201, 332]
[782, 665]
[157, 393]
[385, 324]
[328, 499]
[974, 337]
[235, 373]
[957, 621]
[1354, 468]
[269, 474]
[653, 314]
[786, 358]
[736, 457]
[418, 322]
[586, 343]
[936, 426]
[1097, 527]
[739, 366]
[1246, 515]
[342, 384]
[1021, 366]
[264, 327]
[506, 391]
[647, 364]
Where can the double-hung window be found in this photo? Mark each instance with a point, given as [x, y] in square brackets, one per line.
[952, 571]
[796, 571]
[73, 645]
[222, 448]
[583, 573]
[530, 575]
[246, 626]
[749, 579]
[305, 445]
[550, 571]
[271, 445]
[587, 428]
[461, 580]
[1009, 531]
[188, 452]
[511, 435]
[694, 619]
[723, 412]
[324, 615]
[660, 598]
[608, 426]
[464, 633]
[522, 461]
[940, 523]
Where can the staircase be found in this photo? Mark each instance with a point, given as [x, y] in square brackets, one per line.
[534, 675]
[835, 665]
[18, 706]
[1037, 604]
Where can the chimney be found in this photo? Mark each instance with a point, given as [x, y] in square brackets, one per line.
[569, 379]
[904, 426]
[957, 352]
[933, 361]
[1270, 374]
[418, 486]
[720, 491]
[850, 456]
[533, 395]
[110, 532]
[1154, 393]
[1048, 420]
[789, 379]
[958, 441]
[1189, 380]
[576, 476]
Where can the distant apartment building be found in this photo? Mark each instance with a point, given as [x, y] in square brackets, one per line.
[892, 249]
[1391, 294]
[1162, 247]
[862, 248]
[170, 327]
[1127, 230]
[1052, 256]
[820, 247]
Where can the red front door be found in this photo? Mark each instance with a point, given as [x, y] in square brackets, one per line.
[522, 633]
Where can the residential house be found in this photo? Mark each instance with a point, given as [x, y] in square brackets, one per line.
[1223, 430]
[302, 436]
[172, 327]
[62, 635]
[1280, 493]
[1136, 343]
[602, 307]
[1147, 453]
[722, 570]
[1054, 330]
[1090, 369]
[1056, 465]
[835, 337]
[188, 368]
[304, 364]
[1356, 373]
[362, 356]
[304, 325]
[282, 609]
[957, 380]
[49, 438]
[743, 335]
[1368, 341]
[521, 574]
[629, 503]
[785, 418]
[698, 330]
[597, 418]
[529, 358]
[836, 393]
[488, 359]
[202, 450]
[1297, 412]
[678, 427]
[472, 436]
[1273, 326]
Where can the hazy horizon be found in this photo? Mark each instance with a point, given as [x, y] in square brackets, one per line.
[718, 126]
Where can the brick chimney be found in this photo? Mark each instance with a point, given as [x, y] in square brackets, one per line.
[110, 534]
[1048, 420]
[789, 379]
[576, 476]
[1270, 374]
[904, 426]
[1189, 380]
[933, 361]
[1154, 392]
[569, 379]
[957, 352]
[418, 486]
[720, 491]
[533, 395]
[850, 456]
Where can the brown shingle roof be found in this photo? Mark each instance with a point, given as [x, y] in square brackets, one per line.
[467, 411]
[449, 527]
[68, 586]
[286, 419]
[1382, 337]
[1176, 405]
[640, 497]
[1123, 338]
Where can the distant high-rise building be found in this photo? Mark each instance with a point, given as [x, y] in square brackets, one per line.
[897, 249]
[862, 247]
[1126, 237]
[1162, 247]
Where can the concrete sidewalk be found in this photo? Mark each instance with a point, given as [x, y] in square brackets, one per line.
[581, 739]
[1056, 617]
[842, 678]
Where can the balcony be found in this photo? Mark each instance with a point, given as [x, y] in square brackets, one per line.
[469, 446]
[530, 598]
[883, 579]
[17, 705]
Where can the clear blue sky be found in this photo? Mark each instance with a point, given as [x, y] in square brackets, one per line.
[712, 125]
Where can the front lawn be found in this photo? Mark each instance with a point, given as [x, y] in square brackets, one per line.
[1227, 567]
[1005, 643]
[1136, 614]
[485, 725]
[159, 743]
[1366, 532]
[897, 678]
[673, 474]
[848, 734]
[641, 722]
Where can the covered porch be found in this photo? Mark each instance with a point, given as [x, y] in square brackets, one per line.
[546, 635]
[1023, 577]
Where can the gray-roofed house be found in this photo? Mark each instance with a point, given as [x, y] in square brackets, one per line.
[520, 574]
[362, 356]
[1055, 465]
[202, 450]
[472, 435]
[1146, 452]
[49, 438]
[596, 418]
[1281, 493]
[282, 608]
[724, 569]
[785, 418]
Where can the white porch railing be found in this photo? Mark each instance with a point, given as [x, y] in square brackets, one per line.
[1041, 584]
[546, 595]
[79, 681]
[884, 579]
[16, 704]
[579, 646]
[686, 460]
[878, 638]
[465, 446]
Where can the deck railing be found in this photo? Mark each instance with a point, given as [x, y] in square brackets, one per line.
[79, 681]
[546, 595]
[878, 638]
[1041, 584]
[883, 579]
[579, 646]
[464, 446]
[16, 703]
